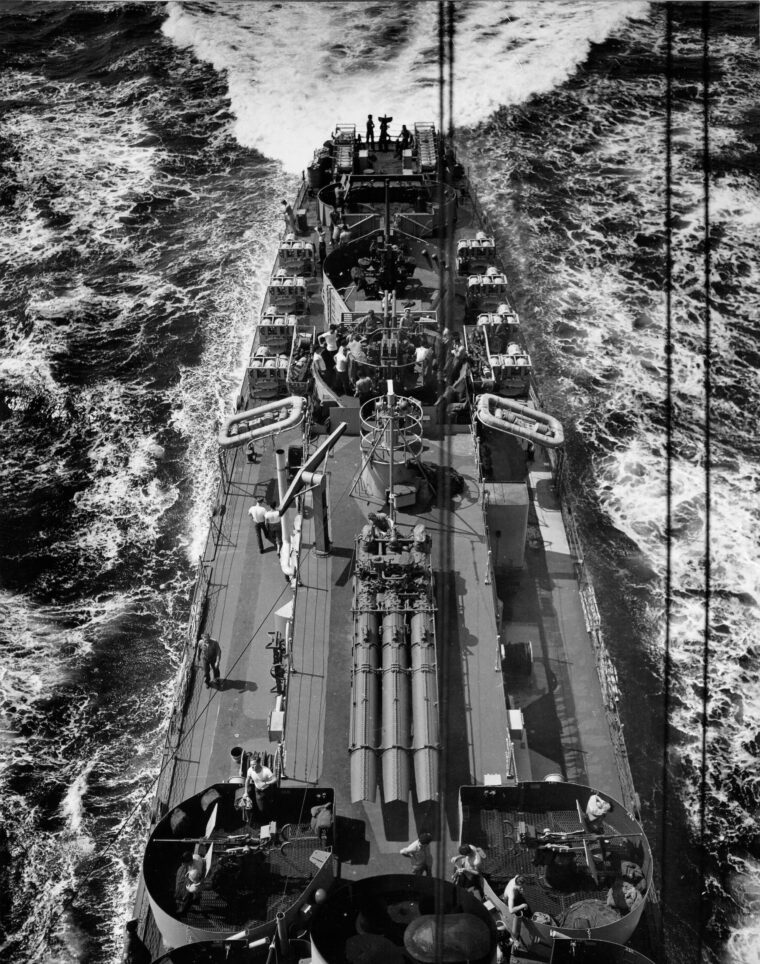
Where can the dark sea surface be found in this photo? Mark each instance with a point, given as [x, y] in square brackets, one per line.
[143, 151]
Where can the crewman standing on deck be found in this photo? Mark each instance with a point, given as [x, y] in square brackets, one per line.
[370, 132]
[321, 245]
[274, 527]
[135, 951]
[211, 657]
[419, 853]
[383, 143]
[288, 217]
[258, 514]
[264, 784]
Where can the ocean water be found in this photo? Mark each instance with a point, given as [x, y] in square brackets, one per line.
[143, 151]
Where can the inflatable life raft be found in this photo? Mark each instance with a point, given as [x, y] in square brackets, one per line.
[266, 420]
[516, 418]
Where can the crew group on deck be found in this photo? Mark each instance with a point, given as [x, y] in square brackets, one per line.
[350, 359]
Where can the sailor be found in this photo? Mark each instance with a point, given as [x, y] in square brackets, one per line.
[499, 337]
[455, 392]
[345, 234]
[335, 223]
[406, 137]
[182, 895]
[370, 322]
[135, 951]
[211, 655]
[321, 244]
[443, 348]
[358, 277]
[406, 322]
[419, 853]
[329, 341]
[322, 821]
[596, 809]
[341, 370]
[457, 357]
[288, 217]
[468, 868]
[514, 898]
[258, 514]
[423, 355]
[356, 356]
[381, 521]
[370, 132]
[363, 389]
[383, 142]
[318, 365]
[274, 525]
[264, 785]
[420, 535]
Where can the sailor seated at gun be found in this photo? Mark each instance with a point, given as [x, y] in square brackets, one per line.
[386, 530]
[596, 810]
[383, 524]
[370, 322]
[188, 881]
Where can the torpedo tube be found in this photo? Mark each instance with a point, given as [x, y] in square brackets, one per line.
[395, 741]
[365, 700]
[425, 745]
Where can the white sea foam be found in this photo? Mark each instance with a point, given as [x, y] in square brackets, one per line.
[89, 159]
[504, 53]
[206, 393]
[44, 649]
[73, 811]
[611, 362]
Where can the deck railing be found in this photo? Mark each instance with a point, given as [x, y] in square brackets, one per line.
[604, 666]
[182, 693]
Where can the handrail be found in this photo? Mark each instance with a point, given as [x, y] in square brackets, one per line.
[604, 666]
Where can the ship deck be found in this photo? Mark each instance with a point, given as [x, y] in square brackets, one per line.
[561, 703]
[480, 614]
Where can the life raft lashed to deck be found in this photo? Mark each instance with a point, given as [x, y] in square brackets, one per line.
[261, 422]
[516, 418]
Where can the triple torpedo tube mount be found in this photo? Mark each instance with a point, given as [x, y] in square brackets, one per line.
[394, 712]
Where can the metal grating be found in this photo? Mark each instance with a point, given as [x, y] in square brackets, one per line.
[256, 891]
[497, 832]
